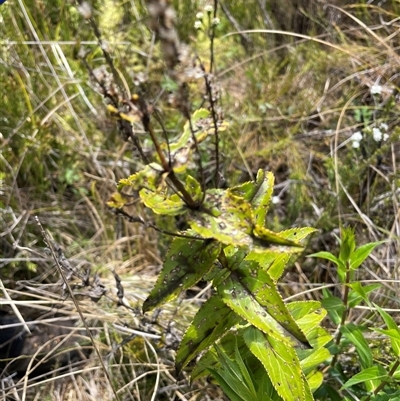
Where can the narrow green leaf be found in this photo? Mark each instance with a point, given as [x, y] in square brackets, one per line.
[260, 285]
[308, 316]
[185, 264]
[360, 293]
[262, 392]
[394, 335]
[352, 333]
[355, 336]
[361, 253]
[297, 234]
[314, 359]
[211, 322]
[280, 362]
[347, 244]
[334, 307]
[375, 374]
[271, 237]
[392, 325]
[226, 385]
[328, 256]
[261, 198]
[232, 375]
[299, 309]
[245, 372]
[209, 359]
[243, 302]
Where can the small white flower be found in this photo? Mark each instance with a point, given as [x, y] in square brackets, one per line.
[197, 24]
[385, 137]
[376, 89]
[276, 200]
[215, 21]
[199, 15]
[356, 137]
[356, 144]
[377, 134]
[208, 8]
[384, 126]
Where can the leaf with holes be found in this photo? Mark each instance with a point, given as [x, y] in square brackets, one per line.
[211, 322]
[262, 196]
[224, 217]
[149, 178]
[282, 238]
[162, 204]
[280, 362]
[186, 263]
[243, 302]
[272, 262]
[260, 285]
[257, 192]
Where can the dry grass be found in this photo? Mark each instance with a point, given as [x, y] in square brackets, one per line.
[292, 110]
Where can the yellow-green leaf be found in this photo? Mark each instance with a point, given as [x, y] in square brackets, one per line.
[280, 362]
[211, 322]
[185, 264]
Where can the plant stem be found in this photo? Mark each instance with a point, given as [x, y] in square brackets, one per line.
[164, 162]
[383, 383]
[345, 313]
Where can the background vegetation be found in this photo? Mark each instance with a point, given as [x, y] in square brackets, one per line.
[297, 80]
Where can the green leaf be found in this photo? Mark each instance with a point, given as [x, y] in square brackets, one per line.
[360, 293]
[308, 316]
[224, 217]
[394, 335]
[315, 381]
[277, 267]
[234, 394]
[228, 344]
[260, 285]
[242, 301]
[334, 307]
[187, 135]
[262, 196]
[280, 362]
[271, 237]
[233, 381]
[312, 319]
[355, 336]
[328, 256]
[162, 204]
[347, 244]
[361, 253]
[186, 262]
[211, 322]
[352, 333]
[148, 178]
[392, 325]
[312, 361]
[300, 309]
[244, 371]
[375, 374]
[193, 188]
